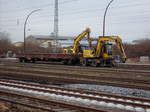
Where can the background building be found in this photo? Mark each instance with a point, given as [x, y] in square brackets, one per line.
[48, 40]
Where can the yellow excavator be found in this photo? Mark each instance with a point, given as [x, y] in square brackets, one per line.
[102, 53]
[76, 48]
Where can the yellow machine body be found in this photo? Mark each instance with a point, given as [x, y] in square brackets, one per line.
[88, 54]
[103, 52]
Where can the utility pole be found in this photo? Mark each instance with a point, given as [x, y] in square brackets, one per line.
[56, 22]
[104, 19]
[25, 23]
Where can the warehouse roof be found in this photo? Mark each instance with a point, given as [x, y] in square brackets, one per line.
[50, 37]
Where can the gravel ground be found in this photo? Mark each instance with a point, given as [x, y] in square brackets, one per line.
[111, 89]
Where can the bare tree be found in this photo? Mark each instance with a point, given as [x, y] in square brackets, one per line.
[5, 43]
[138, 48]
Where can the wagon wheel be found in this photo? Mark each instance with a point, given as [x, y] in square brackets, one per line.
[65, 62]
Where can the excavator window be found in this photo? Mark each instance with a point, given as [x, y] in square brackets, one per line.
[109, 48]
[80, 48]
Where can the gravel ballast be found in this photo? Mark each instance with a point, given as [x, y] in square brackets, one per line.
[111, 89]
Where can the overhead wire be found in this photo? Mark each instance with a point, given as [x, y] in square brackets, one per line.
[103, 8]
[80, 11]
[71, 13]
[40, 6]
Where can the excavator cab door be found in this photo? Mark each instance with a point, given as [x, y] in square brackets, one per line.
[107, 50]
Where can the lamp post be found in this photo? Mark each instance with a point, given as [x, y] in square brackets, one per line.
[25, 23]
[104, 20]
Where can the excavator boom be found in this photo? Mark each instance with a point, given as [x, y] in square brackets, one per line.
[85, 33]
[107, 39]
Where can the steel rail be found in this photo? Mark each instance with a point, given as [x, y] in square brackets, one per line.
[78, 96]
[76, 67]
[76, 90]
[61, 80]
[73, 75]
[50, 102]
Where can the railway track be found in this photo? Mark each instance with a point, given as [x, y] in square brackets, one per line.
[135, 74]
[74, 75]
[39, 75]
[75, 68]
[87, 70]
[93, 99]
[46, 105]
[103, 72]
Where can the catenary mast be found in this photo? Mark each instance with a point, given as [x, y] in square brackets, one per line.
[56, 21]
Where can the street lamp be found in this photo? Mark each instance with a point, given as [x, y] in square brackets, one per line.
[25, 27]
[104, 20]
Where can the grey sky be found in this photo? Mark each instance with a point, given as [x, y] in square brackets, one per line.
[129, 19]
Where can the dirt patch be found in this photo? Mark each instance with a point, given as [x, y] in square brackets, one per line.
[4, 108]
[9, 107]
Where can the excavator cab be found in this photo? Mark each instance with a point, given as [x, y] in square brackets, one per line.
[107, 50]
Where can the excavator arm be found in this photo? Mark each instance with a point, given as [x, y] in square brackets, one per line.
[102, 41]
[120, 47]
[85, 33]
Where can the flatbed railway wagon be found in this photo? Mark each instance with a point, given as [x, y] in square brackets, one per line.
[66, 58]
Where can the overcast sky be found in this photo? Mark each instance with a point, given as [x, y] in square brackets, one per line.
[130, 19]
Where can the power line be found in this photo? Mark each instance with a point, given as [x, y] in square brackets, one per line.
[84, 17]
[40, 6]
[71, 13]
[87, 11]
[124, 22]
[77, 12]
[68, 1]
